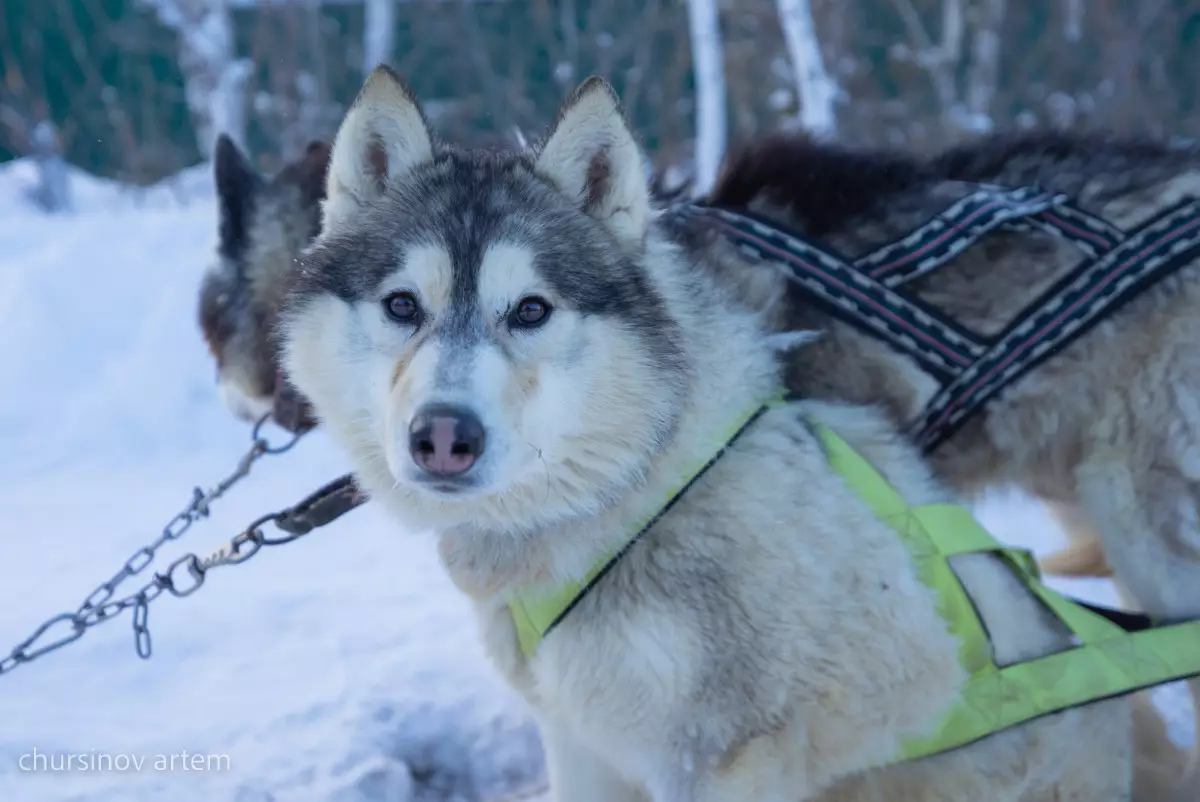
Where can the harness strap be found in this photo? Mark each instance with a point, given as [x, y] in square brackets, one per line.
[1109, 661]
[1130, 622]
[1091, 234]
[322, 507]
[537, 611]
[870, 293]
[967, 221]
[935, 341]
[1064, 313]
[952, 231]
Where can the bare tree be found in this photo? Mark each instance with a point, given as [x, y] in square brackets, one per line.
[939, 60]
[984, 74]
[1073, 20]
[214, 80]
[379, 33]
[293, 99]
[708, 65]
[483, 66]
[815, 87]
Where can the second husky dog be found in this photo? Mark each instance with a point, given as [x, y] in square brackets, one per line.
[517, 355]
[262, 225]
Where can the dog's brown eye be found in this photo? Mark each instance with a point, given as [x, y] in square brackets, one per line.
[402, 307]
[531, 312]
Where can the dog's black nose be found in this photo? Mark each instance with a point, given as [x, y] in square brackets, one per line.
[445, 440]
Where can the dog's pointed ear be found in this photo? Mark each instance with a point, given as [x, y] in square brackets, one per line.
[237, 184]
[383, 136]
[593, 158]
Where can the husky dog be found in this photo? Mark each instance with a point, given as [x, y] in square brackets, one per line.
[263, 224]
[519, 355]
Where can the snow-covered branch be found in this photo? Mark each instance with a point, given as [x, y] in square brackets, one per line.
[708, 66]
[816, 89]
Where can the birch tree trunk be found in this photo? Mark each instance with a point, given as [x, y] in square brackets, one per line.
[949, 52]
[708, 67]
[983, 78]
[1073, 20]
[816, 90]
[214, 80]
[940, 60]
[379, 33]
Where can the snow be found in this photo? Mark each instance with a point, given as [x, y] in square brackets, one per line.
[339, 668]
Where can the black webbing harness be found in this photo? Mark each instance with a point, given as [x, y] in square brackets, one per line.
[870, 292]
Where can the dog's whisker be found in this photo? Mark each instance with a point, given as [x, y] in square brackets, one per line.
[545, 472]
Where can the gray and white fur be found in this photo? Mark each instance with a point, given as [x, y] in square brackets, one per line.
[263, 224]
[518, 354]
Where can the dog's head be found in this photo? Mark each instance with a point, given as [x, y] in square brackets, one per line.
[481, 328]
[263, 225]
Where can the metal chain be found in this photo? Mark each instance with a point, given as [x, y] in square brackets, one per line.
[99, 606]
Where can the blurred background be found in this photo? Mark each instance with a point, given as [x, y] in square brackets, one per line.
[135, 89]
[344, 667]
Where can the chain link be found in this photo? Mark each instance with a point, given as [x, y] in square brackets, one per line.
[182, 578]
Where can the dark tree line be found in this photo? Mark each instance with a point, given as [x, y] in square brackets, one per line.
[115, 83]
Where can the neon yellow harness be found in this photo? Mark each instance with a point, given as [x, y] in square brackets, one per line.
[1109, 661]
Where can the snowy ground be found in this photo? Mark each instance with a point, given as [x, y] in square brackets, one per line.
[340, 668]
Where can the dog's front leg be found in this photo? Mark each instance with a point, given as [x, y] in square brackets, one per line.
[577, 774]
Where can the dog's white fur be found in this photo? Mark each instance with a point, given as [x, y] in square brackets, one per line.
[768, 639]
